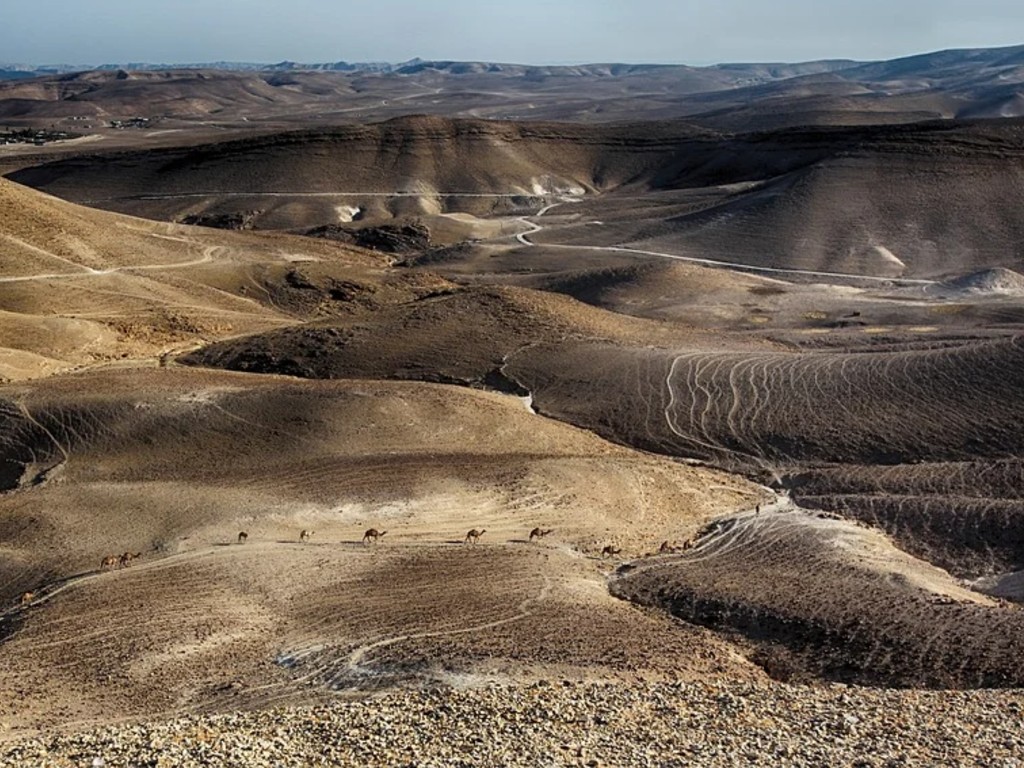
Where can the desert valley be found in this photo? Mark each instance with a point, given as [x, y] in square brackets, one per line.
[669, 414]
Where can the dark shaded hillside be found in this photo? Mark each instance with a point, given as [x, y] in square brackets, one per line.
[776, 410]
[925, 200]
[821, 607]
[423, 155]
[654, 386]
[442, 156]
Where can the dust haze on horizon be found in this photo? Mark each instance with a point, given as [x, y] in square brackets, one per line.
[531, 31]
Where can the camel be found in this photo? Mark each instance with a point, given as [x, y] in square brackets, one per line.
[372, 535]
[610, 551]
[540, 533]
[242, 537]
[666, 548]
[109, 562]
[27, 598]
[474, 535]
[126, 559]
[305, 535]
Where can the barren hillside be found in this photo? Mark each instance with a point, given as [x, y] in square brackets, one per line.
[919, 201]
[82, 287]
[170, 94]
[784, 416]
[732, 96]
[731, 397]
[174, 463]
[756, 407]
[835, 601]
[456, 335]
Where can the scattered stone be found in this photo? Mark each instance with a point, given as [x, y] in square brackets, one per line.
[500, 725]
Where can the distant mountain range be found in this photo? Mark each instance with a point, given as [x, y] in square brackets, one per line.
[975, 57]
[17, 71]
[739, 97]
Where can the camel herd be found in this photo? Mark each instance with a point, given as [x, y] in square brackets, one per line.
[108, 563]
[373, 536]
[670, 548]
[370, 537]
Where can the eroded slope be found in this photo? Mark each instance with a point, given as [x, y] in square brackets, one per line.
[833, 600]
[173, 463]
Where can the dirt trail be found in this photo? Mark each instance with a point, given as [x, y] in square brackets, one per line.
[207, 251]
[524, 238]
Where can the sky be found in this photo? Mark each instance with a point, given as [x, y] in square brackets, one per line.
[521, 31]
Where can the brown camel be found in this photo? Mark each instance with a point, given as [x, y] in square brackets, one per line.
[109, 562]
[305, 535]
[610, 551]
[126, 559]
[27, 598]
[372, 535]
[474, 536]
[242, 537]
[540, 533]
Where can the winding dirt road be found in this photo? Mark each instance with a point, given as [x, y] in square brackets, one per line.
[524, 238]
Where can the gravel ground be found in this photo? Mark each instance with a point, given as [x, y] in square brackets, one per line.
[585, 724]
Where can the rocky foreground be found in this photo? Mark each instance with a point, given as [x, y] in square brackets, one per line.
[585, 724]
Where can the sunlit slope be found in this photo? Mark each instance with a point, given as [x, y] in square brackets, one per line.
[161, 461]
[80, 286]
[173, 464]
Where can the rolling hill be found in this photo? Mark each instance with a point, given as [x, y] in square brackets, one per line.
[921, 202]
[730, 397]
[732, 97]
[174, 463]
[85, 287]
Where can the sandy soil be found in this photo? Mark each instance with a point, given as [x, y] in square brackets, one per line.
[364, 392]
[118, 469]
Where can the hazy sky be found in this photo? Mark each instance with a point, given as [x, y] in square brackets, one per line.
[528, 31]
